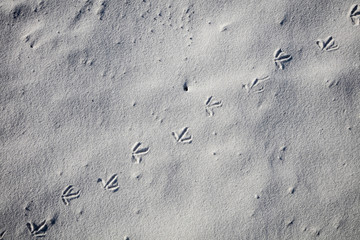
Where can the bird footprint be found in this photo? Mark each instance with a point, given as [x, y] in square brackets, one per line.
[328, 45]
[255, 85]
[211, 104]
[69, 194]
[37, 230]
[138, 152]
[182, 137]
[280, 58]
[355, 15]
[2, 234]
[111, 184]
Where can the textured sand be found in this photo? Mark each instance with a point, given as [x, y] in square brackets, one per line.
[144, 119]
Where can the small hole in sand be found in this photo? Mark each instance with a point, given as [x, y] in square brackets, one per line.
[185, 87]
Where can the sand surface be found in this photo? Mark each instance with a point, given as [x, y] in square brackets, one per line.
[188, 119]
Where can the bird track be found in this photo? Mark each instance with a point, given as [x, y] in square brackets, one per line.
[328, 45]
[355, 15]
[211, 103]
[37, 230]
[280, 58]
[69, 194]
[2, 234]
[137, 152]
[256, 85]
[182, 136]
[111, 184]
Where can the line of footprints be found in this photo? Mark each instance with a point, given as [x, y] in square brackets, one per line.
[111, 184]
[182, 135]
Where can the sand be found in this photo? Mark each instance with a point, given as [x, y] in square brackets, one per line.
[145, 119]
